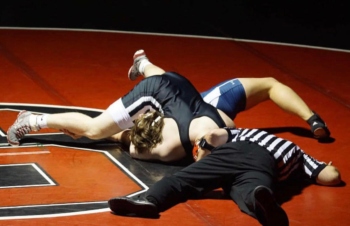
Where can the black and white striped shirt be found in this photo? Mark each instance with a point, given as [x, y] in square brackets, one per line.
[289, 156]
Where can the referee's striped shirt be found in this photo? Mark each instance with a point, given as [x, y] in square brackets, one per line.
[288, 155]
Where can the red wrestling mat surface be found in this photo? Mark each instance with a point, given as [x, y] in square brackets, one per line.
[45, 68]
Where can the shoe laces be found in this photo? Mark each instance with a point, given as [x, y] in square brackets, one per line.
[22, 131]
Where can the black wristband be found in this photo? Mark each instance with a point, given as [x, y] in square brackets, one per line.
[204, 144]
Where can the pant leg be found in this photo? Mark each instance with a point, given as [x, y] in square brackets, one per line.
[226, 164]
[241, 191]
[198, 178]
[246, 180]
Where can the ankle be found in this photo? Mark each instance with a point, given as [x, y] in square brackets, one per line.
[143, 63]
[38, 122]
[32, 122]
[313, 118]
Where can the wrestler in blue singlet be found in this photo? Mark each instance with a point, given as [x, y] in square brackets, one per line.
[228, 96]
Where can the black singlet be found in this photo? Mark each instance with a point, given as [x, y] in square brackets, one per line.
[174, 96]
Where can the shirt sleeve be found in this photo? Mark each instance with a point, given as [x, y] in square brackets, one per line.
[312, 166]
[232, 133]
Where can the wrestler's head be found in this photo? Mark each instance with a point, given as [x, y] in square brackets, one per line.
[147, 131]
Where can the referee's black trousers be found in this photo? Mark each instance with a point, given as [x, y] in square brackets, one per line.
[237, 167]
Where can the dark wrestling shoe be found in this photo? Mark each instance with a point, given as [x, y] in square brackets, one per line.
[318, 127]
[267, 210]
[129, 207]
[134, 72]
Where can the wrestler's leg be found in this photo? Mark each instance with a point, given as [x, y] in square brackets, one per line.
[78, 124]
[151, 70]
[73, 124]
[142, 66]
[261, 89]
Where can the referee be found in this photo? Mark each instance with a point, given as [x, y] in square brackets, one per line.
[246, 163]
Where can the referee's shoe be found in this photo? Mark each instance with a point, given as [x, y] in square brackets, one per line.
[267, 210]
[139, 207]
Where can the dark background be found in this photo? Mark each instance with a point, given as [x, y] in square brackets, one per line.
[317, 23]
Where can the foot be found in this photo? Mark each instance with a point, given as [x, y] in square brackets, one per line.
[19, 129]
[134, 69]
[318, 127]
[129, 207]
[267, 210]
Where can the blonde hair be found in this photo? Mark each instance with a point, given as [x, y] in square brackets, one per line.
[147, 131]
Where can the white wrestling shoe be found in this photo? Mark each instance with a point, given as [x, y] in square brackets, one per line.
[134, 69]
[20, 128]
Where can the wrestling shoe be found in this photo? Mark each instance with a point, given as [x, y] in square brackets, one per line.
[134, 69]
[318, 127]
[129, 207]
[20, 128]
[267, 210]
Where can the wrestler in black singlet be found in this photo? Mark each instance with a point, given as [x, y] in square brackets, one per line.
[174, 96]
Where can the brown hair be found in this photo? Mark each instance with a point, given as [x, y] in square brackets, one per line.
[147, 131]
